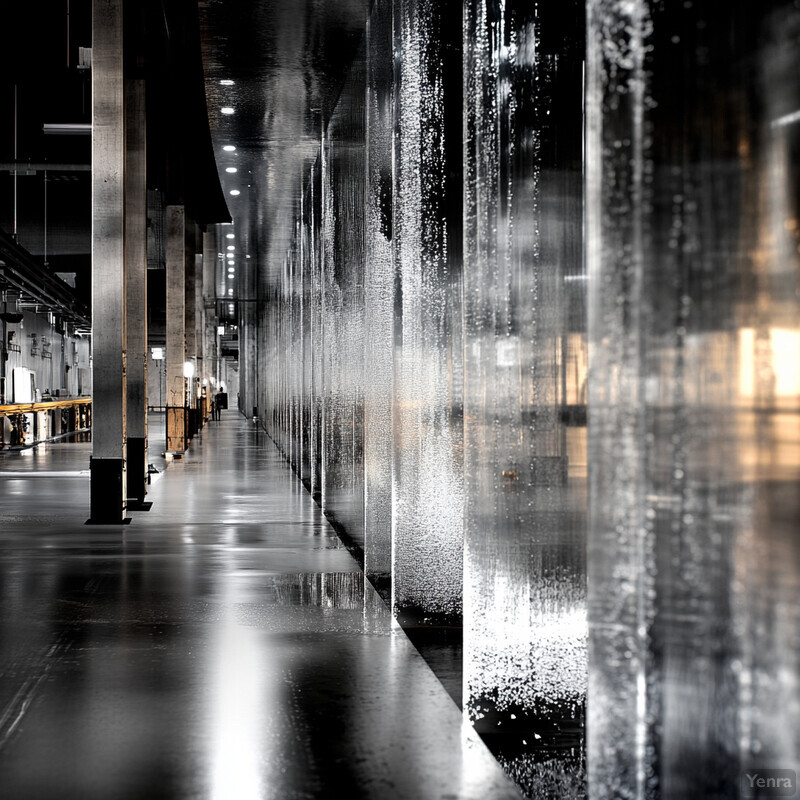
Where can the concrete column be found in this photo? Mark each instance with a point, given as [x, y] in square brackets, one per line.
[136, 285]
[199, 329]
[189, 316]
[176, 335]
[210, 260]
[108, 475]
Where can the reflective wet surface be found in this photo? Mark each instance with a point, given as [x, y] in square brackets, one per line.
[222, 645]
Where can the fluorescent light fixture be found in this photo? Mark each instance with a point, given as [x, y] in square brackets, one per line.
[235, 192]
[230, 291]
[231, 247]
[229, 148]
[230, 235]
[231, 169]
[226, 82]
[67, 129]
[227, 110]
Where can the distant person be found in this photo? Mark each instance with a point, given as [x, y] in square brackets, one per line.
[213, 408]
[221, 402]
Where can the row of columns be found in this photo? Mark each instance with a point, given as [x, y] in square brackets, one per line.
[119, 464]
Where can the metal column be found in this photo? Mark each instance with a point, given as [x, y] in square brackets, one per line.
[108, 477]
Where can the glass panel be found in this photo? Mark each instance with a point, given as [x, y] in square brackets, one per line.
[525, 392]
[692, 193]
[379, 297]
[343, 155]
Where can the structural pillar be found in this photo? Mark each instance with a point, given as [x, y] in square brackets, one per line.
[198, 331]
[177, 421]
[209, 319]
[108, 475]
[136, 283]
[189, 326]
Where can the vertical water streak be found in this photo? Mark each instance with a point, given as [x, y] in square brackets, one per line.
[524, 400]
[427, 490]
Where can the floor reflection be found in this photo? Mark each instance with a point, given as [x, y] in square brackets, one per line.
[182, 657]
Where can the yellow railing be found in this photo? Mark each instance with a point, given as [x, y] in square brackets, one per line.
[30, 408]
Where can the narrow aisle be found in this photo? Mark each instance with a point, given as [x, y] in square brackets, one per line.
[222, 645]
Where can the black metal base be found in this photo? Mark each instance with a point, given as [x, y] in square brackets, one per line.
[137, 469]
[108, 501]
[139, 505]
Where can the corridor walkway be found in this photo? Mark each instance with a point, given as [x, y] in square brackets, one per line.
[222, 646]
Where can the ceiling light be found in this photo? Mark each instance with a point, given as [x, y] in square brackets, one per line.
[227, 110]
[235, 192]
[231, 169]
[231, 247]
[229, 148]
[230, 291]
[226, 82]
[230, 235]
[67, 128]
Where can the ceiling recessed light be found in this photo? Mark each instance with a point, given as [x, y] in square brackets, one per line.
[235, 192]
[227, 110]
[231, 247]
[227, 83]
[230, 235]
[229, 148]
[231, 169]
[230, 291]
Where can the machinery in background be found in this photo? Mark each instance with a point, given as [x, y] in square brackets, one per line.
[32, 419]
[23, 390]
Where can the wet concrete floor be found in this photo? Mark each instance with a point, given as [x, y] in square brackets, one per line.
[222, 645]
